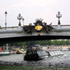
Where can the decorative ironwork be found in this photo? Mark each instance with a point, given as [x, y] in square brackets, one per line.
[38, 27]
[39, 21]
[28, 29]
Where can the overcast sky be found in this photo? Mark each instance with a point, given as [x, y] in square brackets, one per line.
[34, 9]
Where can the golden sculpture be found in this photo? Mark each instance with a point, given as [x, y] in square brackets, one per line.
[38, 27]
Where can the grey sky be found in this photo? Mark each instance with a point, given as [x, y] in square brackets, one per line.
[33, 9]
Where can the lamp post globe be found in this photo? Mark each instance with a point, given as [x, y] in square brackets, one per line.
[5, 12]
[58, 15]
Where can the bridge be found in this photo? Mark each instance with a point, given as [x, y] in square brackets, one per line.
[38, 31]
[19, 35]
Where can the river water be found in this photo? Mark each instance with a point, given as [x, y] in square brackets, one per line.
[63, 60]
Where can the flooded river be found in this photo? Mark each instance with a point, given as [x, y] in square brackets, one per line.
[63, 60]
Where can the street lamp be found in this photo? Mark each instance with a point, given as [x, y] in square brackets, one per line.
[23, 20]
[58, 16]
[5, 19]
[19, 18]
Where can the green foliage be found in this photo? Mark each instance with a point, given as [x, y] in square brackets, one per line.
[18, 44]
[30, 43]
[49, 42]
[41, 42]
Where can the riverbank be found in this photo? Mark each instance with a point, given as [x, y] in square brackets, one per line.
[21, 67]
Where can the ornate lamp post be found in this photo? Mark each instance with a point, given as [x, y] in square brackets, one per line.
[59, 16]
[5, 19]
[23, 20]
[19, 18]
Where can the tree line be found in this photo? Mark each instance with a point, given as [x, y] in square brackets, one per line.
[41, 42]
[49, 42]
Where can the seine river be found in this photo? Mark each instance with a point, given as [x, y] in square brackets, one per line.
[47, 61]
